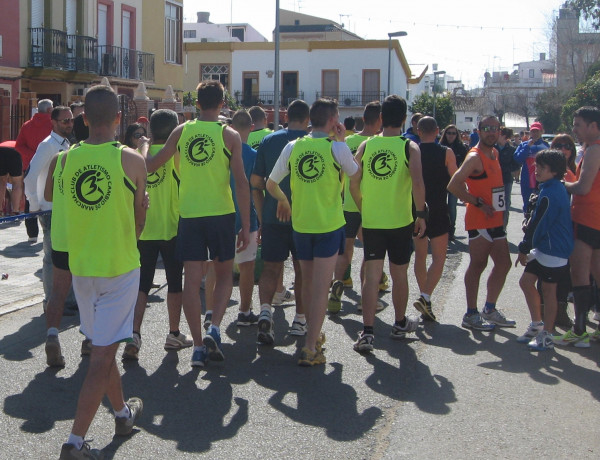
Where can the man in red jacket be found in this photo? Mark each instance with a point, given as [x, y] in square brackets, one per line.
[31, 134]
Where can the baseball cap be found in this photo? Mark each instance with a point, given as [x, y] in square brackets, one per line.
[536, 125]
[142, 120]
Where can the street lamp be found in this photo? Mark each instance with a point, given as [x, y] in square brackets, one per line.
[390, 35]
[435, 78]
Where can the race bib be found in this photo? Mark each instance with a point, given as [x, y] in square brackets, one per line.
[498, 199]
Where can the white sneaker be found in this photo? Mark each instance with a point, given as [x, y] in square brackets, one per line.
[531, 333]
[298, 328]
[283, 297]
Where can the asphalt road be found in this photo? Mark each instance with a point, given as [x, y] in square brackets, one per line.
[446, 393]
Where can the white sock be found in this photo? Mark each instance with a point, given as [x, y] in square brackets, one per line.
[123, 413]
[266, 306]
[427, 297]
[76, 441]
[300, 318]
[52, 331]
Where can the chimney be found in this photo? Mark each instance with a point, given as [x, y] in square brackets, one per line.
[542, 56]
[203, 17]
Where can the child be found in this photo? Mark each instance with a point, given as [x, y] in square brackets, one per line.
[546, 247]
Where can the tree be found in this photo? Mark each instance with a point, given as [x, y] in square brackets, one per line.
[588, 93]
[589, 9]
[522, 103]
[548, 107]
[444, 111]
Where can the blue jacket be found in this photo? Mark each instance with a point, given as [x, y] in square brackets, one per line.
[550, 229]
[525, 151]
[410, 134]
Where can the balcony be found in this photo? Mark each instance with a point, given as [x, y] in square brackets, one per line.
[54, 49]
[115, 61]
[353, 98]
[266, 98]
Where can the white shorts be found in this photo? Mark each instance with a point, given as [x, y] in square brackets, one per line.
[106, 306]
[248, 254]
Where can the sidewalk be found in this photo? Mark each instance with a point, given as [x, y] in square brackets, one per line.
[22, 261]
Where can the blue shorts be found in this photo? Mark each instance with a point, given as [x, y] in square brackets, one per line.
[311, 245]
[277, 242]
[206, 238]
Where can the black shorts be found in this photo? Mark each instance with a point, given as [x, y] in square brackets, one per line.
[10, 162]
[397, 242]
[489, 234]
[547, 274]
[437, 225]
[206, 238]
[60, 259]
[353, 221]
[277, 242]
[149, 250]
[588, 235]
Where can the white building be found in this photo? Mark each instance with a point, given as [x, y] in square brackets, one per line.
[205, 31]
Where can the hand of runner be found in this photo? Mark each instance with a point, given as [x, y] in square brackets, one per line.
[243, 239]
[521, 259]
[284, 211]
[339, 132]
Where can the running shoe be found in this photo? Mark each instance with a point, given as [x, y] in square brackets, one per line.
[531, 333]
[207, 320]
[399, 332]
[498, 318]
[199, 357]
[321, 341]
[283, 297]
[54, 357]
[542, 342]
[212, 342]
[424, 308]
[347, 280]
[265, 328]
[298, 328]
[348, 283]
[364, 342]
[246, 320]
[309, 358]
[124, 425]
[334, 305]
[476, 322]
[384, 283]
[70, 452]
[579, 341]
[177, 342]
[595, 336]
[378, 305]
[132, 348]
[596, 316]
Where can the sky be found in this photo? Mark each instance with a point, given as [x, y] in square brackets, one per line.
[465, 38]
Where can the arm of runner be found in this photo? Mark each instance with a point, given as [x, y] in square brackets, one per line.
[280, 170]
[589, 170]
[355, 180]
[418, 186]
[242, 188]
[258, 185]
[471, 167]
[163, 155]
[451, 162]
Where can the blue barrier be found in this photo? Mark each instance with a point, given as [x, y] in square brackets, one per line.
[19, 217]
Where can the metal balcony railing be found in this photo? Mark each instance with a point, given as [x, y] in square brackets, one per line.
[115, 61]
[266, 98]
[55, 49]
[353, 98]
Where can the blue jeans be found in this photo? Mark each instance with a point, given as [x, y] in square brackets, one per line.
[452, 201]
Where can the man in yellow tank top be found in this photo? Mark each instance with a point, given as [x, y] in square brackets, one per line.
[207, 152]
[390, 174]
[104, 188]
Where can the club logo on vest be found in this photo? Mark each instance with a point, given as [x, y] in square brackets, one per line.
[383, 165]
[91, 187]
[200, 150]
[310, 166]
[156, 178]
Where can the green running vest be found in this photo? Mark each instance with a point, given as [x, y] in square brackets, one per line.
[316, 187]
[99, 210]
[204, 171]
[162, 217]
[255, 137]
[353, 142]
[386, 185]
[59, 223]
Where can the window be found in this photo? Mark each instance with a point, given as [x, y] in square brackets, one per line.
[216, 72]
[189, 34]
[330, 83]
[238, 32]
[469, 119]
[531, 73]
[370, 90]
[173, 21]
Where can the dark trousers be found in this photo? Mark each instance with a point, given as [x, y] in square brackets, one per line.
[31, 224]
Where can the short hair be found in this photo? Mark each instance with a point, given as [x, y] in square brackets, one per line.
[506, 132]
[80, 129]
[349, 123]
[298, 111]
[56, 111]
[101, 105]
[162, 122]
[76, 104]
[372, 112]
[393, 112]
[589, 114]
[271, 125]
[427, 125]
[485, 118]
[45, 105]
[321, 111]
[415, 118]
[242, 119]
[555, 160]
[210, 94]
[257, 114]
[129, 132]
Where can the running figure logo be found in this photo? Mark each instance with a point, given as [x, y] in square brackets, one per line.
[157, 177]
[91, 187]
[200, 150]
[383, 165]
[310, 166]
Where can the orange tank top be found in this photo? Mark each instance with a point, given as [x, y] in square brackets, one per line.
[488, 186]
[585, 209]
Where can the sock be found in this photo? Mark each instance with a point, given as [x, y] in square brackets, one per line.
[76, 441]
[427, 297]
[300, 318]
[52, 331]
[368, 330]
[489, 306]
[471, 311]
[175, 333]
[401, 323]
[582, 300]
[537, 323]
[123, 413]
[266, 306]
[246, 313]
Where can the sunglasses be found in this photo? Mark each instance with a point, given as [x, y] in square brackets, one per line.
[490, 129]
[66, 121]
[138, 135]
[561, 146]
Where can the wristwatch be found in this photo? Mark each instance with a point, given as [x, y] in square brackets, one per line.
[479, 202]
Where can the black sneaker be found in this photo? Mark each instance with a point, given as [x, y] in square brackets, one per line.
[70, 452]
[265, 328]
[246, 320]
[424, 308]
